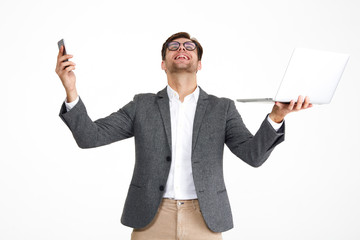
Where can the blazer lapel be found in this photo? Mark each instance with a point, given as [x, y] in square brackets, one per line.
[163, 103]
[199, 115]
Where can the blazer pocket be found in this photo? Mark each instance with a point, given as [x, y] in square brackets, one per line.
[135, 185]
[221, 191]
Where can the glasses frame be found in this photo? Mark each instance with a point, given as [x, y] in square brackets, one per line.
[179, 44]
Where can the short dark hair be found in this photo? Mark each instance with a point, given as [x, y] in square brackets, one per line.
[181, 35]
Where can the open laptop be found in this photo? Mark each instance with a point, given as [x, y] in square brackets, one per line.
[312, 73]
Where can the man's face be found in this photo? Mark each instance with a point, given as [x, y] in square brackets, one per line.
[181, 60]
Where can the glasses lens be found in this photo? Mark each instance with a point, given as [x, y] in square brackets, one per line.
[190, 46]
[172, 46]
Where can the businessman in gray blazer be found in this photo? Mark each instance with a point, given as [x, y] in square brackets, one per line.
[177, 190]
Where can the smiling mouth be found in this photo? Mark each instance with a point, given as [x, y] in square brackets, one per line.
[181, 57]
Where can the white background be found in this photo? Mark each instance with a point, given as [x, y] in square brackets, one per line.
[50, 189]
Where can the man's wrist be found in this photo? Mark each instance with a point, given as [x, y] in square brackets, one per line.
[275, 125]
[71, 95]
[70, 105]
[276, 118]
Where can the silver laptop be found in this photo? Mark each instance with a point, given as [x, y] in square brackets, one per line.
[312, 73]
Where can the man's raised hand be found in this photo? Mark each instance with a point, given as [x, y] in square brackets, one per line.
[280, 110]
[64, 69]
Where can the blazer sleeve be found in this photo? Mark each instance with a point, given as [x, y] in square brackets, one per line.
[252, 149]
[89, 134]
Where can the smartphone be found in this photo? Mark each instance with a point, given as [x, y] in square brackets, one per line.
[62, 43]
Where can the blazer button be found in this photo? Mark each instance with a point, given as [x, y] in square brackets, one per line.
[168, 158]
[161, 188]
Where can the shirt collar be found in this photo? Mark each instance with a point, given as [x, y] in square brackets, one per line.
[174, 95]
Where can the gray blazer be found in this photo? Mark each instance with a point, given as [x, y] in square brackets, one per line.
[147, 118]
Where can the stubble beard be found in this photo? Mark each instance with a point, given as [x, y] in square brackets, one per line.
[182, 68]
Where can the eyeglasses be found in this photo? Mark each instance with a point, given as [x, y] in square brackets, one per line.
[173, 46]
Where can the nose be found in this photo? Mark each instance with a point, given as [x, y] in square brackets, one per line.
[181, 47]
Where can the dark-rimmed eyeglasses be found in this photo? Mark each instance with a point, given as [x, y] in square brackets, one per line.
[174, 45]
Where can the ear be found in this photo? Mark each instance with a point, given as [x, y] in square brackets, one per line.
[163, 67]
[199, 65]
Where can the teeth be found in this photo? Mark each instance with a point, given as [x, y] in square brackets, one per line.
[183, 56]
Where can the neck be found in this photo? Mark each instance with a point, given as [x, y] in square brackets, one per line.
[183, 83]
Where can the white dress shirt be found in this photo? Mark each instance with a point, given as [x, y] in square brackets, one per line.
[180, 184]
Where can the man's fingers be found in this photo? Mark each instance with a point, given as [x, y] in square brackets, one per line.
[60, 52]
[291, 105]
[65, 57]
[282, 109]
[69, 69]
[306, 102]
[299, 103]
[64, 65]
[62, 59]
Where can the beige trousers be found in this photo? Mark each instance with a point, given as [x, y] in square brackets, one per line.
[177, 220]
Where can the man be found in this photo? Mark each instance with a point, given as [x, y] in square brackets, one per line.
[177, 190]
